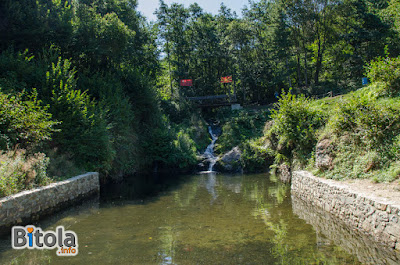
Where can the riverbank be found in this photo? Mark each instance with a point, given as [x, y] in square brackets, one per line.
[27, 206]
[374, 210]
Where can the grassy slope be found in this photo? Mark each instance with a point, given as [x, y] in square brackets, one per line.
[370, 148]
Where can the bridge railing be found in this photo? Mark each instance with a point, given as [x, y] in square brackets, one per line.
[215, 100]
[208, 97]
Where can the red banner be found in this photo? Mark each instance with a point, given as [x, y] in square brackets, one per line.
[226, 79]
[186, 82]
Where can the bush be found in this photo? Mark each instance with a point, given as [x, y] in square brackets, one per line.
[366, 121]
[108, 90]
[23, 123]
[385, 70]
[83, 131]
[20, 171]
[295, 125]
[239, 128]
[184, 153]
[255, 157]
[364, 133]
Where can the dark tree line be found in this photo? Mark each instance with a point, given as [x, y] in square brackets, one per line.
[314, 46]
[93, 65]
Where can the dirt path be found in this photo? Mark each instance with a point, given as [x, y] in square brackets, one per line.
[383, 191]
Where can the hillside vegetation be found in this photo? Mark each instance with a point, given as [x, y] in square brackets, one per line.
[90, 85]
[357, 133]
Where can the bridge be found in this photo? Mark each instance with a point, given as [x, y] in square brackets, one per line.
[214, 101]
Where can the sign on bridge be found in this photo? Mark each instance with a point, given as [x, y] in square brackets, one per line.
[226, 79]
[186, 82]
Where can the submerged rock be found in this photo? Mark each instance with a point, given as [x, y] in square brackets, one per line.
[230, 161]
[285, 174]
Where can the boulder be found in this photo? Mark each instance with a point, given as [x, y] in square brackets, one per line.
[230, 161]
[324, 155]
[203, 165]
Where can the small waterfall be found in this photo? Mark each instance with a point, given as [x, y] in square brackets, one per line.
[209, 153]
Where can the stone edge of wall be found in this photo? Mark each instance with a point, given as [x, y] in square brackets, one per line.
[26, 206]
[377, 217]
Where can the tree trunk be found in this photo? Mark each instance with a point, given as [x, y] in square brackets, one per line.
[298, 69]
[169, 69]
[305, 65]
[288, 72]
[319, 62]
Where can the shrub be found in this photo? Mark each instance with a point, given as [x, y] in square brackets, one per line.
[295, 125]
[366, 121]
[20, 171]
[385, 70]
[255, 157]
[239, 128]
[184, 153]
[23, 122]
[83, 129]
[119, 114]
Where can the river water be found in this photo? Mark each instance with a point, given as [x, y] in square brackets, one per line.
[201, 219]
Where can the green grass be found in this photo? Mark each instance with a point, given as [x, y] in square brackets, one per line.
[364, 127]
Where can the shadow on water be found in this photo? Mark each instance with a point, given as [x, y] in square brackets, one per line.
[198, 219]
[141, 189]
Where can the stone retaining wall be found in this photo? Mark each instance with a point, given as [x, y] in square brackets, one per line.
[330, 229]
[374, 216]
[29, 205]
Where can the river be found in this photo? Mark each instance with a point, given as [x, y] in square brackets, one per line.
[198, 219]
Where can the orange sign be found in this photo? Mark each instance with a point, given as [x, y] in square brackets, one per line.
[226, 79]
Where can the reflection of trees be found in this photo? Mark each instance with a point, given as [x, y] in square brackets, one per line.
[250, 217]
[291, 243]
[279, 190]
[167, 245]
[185, 196]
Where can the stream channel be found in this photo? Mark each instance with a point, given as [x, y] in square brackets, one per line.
[207, 218]
[202, 219]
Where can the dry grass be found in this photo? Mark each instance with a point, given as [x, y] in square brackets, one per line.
[20, 171]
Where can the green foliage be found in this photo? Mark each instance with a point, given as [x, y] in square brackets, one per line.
[385, 70]
[363, 128]
[196, 128]
[364, 131]
[184, 153]
[255, 157]
[83, 131]
[171, 148]
[24, 123]
[313, 46]
[295, 125]
[20, 171]
[240, 127]
[120, 117]
[366, 121]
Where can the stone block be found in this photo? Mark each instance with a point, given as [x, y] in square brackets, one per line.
[393, 229]
[380, 206]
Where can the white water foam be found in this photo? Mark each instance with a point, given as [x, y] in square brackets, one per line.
[209, 153]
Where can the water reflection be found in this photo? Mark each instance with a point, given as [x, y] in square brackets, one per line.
[330, 230]
[210, 183]
[201, 219]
